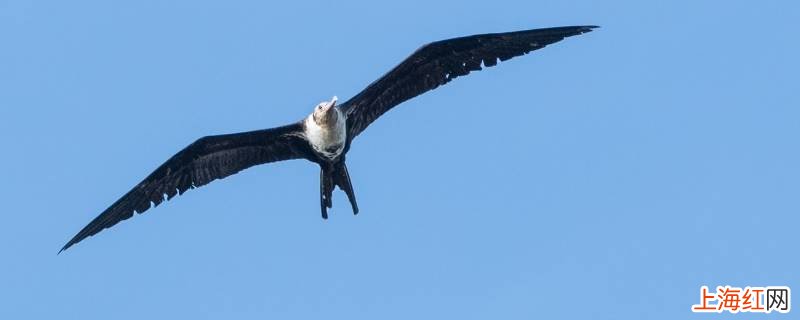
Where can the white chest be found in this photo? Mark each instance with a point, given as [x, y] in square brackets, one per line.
[327, 140]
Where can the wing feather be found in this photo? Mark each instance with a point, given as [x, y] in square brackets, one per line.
[207, 159]
[438, 63]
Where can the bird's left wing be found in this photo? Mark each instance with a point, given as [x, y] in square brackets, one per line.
[439, 62]
[207, 159]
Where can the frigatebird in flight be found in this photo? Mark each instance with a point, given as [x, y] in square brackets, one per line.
[325, 136]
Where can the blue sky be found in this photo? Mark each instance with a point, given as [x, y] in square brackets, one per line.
[607, 176]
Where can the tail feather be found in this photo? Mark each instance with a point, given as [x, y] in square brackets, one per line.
[325, 191]
[341, 178]
[332, 176]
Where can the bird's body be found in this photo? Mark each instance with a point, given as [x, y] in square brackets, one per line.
[325, 136]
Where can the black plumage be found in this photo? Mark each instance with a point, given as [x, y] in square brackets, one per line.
[438, 63]
[216, 157]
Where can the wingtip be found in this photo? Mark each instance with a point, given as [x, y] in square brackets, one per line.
[65, 247]
[69, 244]
[574, 29]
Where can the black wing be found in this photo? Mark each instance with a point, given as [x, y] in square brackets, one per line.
[205, 160]
[439, 62]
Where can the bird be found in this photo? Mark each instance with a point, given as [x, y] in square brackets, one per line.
[325, 136]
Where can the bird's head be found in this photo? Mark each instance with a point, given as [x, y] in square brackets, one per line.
[325, 113]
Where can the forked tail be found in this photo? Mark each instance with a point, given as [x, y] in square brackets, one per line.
[331, 177]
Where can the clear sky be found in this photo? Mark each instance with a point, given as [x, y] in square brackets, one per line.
[607, 176]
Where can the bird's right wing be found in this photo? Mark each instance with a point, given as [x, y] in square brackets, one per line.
[440, 62]
[207, 159]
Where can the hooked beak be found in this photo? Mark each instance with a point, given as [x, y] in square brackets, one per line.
[333, 102]
[328, 106]
[326, 114]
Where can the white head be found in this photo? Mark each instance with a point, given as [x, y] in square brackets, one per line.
[325, 112]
